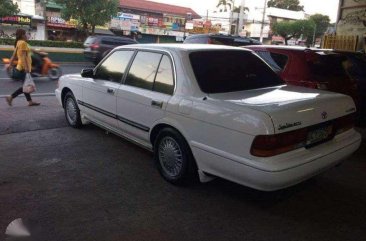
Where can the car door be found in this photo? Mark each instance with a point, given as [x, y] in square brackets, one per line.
[143, 97]
[99, 93]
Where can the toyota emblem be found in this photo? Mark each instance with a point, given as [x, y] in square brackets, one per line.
[324, 115]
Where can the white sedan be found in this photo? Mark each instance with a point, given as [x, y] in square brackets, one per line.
[213, 111]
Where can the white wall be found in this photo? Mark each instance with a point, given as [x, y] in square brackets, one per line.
[26, 6]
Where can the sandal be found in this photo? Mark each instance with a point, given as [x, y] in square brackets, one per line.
[34, 104]
[9, 100]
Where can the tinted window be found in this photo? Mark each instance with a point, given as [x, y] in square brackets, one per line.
[114, 66]
[90, 40]
[280, 59]
[143, 70]
[196, 40]
[266, 56]
[164, 81]
[229, 71]
[327, 67]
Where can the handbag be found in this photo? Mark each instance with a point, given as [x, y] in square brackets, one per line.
[29, 86]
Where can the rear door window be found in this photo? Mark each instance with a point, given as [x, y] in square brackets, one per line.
[143, 70]
[229, 71]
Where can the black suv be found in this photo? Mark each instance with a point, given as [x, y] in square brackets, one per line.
[98, 46]
[231, 40]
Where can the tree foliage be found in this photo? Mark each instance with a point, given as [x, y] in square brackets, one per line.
[237, 9]
[321, 22]
[8, 8]
[293, 5]
[225, 4]
[89, 13]
[293, 29]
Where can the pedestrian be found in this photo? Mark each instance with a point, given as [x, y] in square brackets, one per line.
[24, 66]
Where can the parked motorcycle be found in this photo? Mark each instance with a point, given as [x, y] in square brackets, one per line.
[45, 69]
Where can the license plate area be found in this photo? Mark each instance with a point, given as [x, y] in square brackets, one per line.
[319, 134]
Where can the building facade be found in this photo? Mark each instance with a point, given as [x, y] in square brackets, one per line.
[352, 20]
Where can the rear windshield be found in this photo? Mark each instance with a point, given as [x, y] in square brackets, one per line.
[90, 40]
[326, 67]
[229, 71]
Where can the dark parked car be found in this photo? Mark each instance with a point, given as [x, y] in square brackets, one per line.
[317, 68]
[221, 39]
[97, 47]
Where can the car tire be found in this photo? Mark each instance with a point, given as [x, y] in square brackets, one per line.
[72, 112]
[174, 158]
[54, 73]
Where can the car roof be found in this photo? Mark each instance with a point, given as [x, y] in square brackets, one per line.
[183, 47]
[284, 47]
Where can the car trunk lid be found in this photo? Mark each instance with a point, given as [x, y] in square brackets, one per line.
[290, 107]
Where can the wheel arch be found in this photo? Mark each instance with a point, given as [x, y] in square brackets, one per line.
[159, 126]
[63, 94]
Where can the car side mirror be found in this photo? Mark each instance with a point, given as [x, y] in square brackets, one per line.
[87, 73]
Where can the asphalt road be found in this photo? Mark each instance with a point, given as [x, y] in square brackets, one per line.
[69, 184]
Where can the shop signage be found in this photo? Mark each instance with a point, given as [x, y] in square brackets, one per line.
[60, 22]
[151, 21]
[22, 20]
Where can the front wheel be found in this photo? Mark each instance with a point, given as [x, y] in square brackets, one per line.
[174, 158]
[72, 112]
[54, 73]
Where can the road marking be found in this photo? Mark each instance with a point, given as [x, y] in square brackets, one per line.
[4, 78]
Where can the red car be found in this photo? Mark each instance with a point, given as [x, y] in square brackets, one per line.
[313, 68]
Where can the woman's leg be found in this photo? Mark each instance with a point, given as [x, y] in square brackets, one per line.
[19, 91]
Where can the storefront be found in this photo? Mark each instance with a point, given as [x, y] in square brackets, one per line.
[9, 24]
[60, 30]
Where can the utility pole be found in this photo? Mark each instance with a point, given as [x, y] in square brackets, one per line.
[263, 18]
[241, 17]
[314, 35]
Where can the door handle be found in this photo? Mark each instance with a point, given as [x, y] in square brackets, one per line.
[110, 91]
[158, 104]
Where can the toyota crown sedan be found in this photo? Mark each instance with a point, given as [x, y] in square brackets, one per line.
[213, 111]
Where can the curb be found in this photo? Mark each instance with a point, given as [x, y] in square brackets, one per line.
[47, 49]
[35, 95]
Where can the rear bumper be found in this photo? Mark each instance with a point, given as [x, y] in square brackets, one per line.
[285, 170]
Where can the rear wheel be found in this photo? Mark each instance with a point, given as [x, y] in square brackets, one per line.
[54, 73]
[72, 112]
[174, 158]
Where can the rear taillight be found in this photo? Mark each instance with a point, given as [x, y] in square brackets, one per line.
[272, 145]
[94, 46]
[321, 86]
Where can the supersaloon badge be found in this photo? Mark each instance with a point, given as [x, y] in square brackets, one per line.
[324, 115]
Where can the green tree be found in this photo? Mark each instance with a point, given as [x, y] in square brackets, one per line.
[321, 22]
[89, 13]
[237, 9]
[8, 8]
[226, 4]
[293, 29]
[293, 5]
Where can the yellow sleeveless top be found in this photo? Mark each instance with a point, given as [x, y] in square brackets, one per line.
[23, 46]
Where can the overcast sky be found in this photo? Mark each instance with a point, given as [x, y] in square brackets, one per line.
[326, 7]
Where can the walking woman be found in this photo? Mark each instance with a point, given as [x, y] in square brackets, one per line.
[23, 54]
